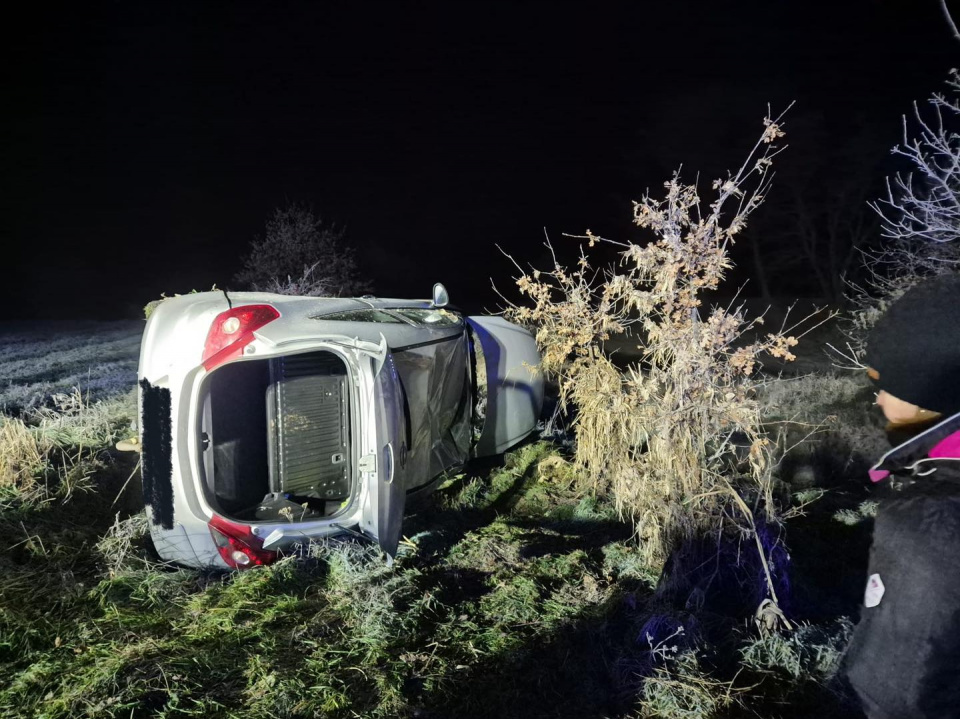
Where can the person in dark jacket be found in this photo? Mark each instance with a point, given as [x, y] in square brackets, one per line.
[904, 659]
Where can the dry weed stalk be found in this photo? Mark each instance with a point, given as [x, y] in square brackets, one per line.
[664, 436]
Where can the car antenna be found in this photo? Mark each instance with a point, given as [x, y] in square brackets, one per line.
[227, 297]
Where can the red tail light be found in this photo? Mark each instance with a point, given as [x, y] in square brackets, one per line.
[233, 330]
[238, 545]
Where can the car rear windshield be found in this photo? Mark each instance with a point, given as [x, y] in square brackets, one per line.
[359, 316]
[438, 318]
[435, 318]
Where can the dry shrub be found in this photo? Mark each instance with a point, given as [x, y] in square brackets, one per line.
[673, 434]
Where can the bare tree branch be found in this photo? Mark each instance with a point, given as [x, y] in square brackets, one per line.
[950, 22]
[301, 255]
[920, 213]
[924, 203]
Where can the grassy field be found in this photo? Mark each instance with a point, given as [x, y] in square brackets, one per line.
[39, 360]
[513, 595]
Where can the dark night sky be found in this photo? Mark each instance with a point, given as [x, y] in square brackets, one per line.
[145, 145]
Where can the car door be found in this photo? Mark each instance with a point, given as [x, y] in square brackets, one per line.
[514, 386]
[385, 469]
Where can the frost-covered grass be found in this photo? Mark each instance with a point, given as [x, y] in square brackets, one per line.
[513, 595]
[472, 618]
[41, 359]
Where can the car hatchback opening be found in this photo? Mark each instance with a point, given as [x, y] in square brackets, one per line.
[275, 438]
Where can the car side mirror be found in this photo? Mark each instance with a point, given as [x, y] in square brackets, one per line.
[441, 298]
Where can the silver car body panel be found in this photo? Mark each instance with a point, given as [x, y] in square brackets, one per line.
[514, 385]
[410, 399]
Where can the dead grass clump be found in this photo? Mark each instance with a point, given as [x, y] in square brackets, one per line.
[662, 436]
[120, 546]
[812, 653]
[53, 451]
[557, 470]
[682, 690]
[74, 421]
[23, 456]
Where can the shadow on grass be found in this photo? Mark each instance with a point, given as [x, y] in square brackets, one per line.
[592, 663]
[571, 672]
[567, 670]
[545, 538]
[829, 557]
[442, 529]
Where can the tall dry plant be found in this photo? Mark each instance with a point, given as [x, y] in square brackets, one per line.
[676, 437]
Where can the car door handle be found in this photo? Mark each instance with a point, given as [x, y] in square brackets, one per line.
[388, 461]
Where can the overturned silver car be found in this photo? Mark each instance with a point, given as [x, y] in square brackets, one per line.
[269, 420]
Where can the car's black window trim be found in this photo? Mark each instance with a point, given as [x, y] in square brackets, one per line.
[437, 341]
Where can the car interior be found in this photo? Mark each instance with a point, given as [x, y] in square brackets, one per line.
[275, 438]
